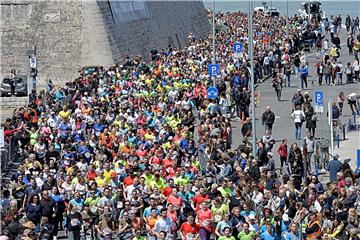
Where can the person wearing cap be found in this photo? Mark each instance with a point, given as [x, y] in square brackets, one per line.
[334, 167]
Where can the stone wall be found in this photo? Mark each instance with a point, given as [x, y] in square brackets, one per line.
[69, 34]
[11, 102]
[54, 27]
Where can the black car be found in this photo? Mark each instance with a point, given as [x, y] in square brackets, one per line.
[21, 88]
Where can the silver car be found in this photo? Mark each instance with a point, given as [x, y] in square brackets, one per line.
[20, 88]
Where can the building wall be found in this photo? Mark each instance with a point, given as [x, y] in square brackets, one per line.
[69, 34]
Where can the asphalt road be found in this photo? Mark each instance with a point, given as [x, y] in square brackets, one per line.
[284, 126]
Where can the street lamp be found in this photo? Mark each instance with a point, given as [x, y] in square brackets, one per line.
[33, 66]
[251, 53]
[213, 41]
[287, 18]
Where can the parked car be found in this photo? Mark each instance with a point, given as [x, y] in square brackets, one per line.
[21, 88]
[88, 70]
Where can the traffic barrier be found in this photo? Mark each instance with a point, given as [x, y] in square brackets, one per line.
[337, 139]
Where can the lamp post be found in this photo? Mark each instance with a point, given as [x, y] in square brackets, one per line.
[213, 42]
[33, 66]
[287, 18]
[251, 53]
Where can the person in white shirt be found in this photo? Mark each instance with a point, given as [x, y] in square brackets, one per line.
[223, 105]
[356, 69]
[326, 45]
[299, 117]
[352, 101]
[339, 73]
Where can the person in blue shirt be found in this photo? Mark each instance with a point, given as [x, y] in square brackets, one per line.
[247, 211]
[188, 173]
[64, 130]
[269, 234]
[78, 202]
[334, 167]
[292, 233]
[98, 127]
[304, 72]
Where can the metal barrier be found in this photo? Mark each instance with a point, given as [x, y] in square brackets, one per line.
[8, 153]
[354, 122]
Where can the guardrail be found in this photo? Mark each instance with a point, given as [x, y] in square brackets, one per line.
[8, 154]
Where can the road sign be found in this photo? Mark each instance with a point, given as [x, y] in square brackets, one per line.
[212, 92]
[33, 62]
[319, 101]
[238, 47]
[238, 50]
[214, 69]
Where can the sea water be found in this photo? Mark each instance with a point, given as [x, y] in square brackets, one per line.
[334, 8]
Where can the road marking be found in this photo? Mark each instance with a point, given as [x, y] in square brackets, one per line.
[312, 54]
[277, 116]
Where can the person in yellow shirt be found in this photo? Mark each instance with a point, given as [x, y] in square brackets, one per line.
[100, 180]
[108, 172]
[65, 113]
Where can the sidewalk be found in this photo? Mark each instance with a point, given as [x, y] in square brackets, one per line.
[349, 147]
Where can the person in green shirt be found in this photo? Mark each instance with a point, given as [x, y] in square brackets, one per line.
[227, 235]
[246, 234]
[92, 200]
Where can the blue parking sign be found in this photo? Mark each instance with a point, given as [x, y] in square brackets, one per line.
[238, 47]
[319, 98]
[214, 69]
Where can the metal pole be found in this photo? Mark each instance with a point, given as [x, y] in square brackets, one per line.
[252, 78]
[331, 129]
[320, 127]
[213, 42]
[287, 18]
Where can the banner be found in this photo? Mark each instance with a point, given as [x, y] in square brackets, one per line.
[128, 11]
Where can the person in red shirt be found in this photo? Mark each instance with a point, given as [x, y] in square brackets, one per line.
[175, 199]
[189, 229]
[128, 180]
[282, 151]
[200, 198]
[91, 174]
[205, 219]
[172, 214]
[168, 189]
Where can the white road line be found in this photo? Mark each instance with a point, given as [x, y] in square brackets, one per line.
[312, 54]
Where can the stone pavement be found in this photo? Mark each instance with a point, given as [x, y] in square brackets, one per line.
[347, 149]
[284, 126]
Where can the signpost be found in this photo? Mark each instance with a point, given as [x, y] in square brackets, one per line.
[32, 62]
[214, 70]
[212, 92]
[358, 160]
[238, 50]
[2, 139]
[319, 107]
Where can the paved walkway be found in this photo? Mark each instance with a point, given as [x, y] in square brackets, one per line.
[284, 126]
[348, 148]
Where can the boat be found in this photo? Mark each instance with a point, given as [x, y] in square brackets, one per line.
[311, 10]
[269, 11]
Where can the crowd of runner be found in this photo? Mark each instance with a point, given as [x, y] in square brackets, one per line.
[138, 151]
